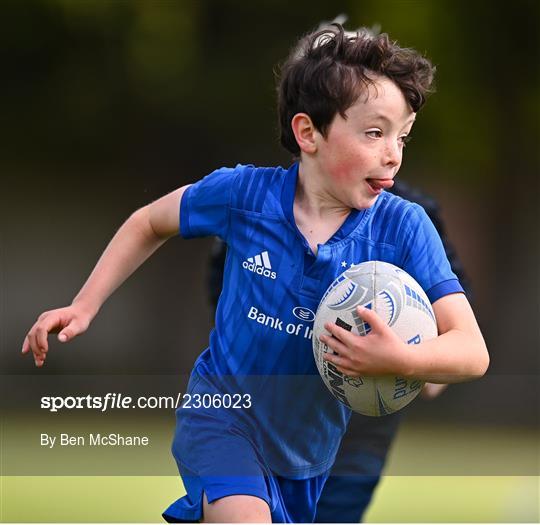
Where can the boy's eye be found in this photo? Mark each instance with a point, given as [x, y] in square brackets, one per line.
[374, 133]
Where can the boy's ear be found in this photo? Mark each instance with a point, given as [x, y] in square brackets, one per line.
[304, 132]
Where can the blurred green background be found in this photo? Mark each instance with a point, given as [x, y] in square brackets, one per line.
[107, 105]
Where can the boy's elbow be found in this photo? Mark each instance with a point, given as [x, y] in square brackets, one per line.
[485, 364]
[141, 220]
[483, 361]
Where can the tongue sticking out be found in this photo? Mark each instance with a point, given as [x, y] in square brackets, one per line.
[380, 184]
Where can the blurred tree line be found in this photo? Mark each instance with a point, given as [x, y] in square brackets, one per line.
[110, 80]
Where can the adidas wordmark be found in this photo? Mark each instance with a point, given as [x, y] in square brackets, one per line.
[260, 264]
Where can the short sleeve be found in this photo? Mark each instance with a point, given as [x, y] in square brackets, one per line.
[424, 257]
[205, 205]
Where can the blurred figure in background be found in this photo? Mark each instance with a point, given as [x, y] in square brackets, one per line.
[365, 446]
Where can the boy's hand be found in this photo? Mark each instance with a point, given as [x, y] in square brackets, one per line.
[381, 352]
[68, 322]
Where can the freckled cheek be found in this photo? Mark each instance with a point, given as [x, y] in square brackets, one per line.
[346, 169]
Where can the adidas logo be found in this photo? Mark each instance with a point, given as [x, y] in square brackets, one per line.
[260, 264]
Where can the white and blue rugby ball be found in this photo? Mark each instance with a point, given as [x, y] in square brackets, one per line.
[402, 304]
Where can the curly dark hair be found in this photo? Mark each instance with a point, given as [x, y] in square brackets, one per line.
[327, 71]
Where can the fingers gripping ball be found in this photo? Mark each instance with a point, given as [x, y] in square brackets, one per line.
[400, 301]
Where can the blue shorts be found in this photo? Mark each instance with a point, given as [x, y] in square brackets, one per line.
[219, 456]
[290, 500]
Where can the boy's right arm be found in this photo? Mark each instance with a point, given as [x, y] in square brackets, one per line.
[138, 238]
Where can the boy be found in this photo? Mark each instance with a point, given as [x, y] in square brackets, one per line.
[260, 447]
[362, 453]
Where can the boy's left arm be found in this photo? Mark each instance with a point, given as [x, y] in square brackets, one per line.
[458, 354]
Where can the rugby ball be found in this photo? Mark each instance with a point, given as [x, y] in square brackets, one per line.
[403, 305]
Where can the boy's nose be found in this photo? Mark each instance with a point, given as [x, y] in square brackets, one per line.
[392, 154]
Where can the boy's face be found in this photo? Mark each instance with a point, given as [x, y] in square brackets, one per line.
[361, 154]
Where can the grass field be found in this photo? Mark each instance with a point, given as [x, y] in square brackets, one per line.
[141, 499]
[433, 475]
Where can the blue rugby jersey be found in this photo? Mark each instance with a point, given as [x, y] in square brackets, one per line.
[272, 285]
